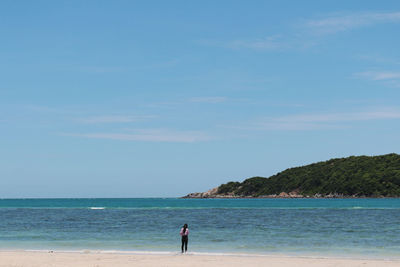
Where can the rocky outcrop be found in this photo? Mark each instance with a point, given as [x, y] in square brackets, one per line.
[295, 194]
[208, 194]
[283, 195]
[212, 193]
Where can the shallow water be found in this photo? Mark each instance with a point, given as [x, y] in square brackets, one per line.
[312, 227]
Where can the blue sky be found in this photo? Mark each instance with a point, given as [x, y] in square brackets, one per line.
[163, 98]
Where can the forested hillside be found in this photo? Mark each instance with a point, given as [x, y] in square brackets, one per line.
[376, 176]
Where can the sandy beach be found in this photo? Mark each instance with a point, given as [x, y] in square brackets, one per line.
[97, 259]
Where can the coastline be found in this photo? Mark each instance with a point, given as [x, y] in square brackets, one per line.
[83, 258]
[295, 194]
[284, 197]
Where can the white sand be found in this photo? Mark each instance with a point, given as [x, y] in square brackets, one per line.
[96, 259]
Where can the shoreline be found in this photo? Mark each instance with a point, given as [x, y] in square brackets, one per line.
[202, 253]
[84, 258]
[290, 197]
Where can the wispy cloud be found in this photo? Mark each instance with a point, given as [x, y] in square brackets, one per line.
[379, 59]
[275, 42]
[299, 37]
[52, 110]
[99, 69]
[319, 121]
[211, 99]
[161, 64]
[389, 78]
[103, 69]
[149, 135]
[379, 75]
[338, 23]
[267, 43]
[114, 119]
[341, 117]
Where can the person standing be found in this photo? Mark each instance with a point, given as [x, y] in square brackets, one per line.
[185, 237]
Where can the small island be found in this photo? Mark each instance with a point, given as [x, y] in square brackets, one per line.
[351, 177]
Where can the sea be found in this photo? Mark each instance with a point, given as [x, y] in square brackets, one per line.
[355, 228]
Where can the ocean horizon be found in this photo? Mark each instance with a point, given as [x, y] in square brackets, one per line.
[308, 227]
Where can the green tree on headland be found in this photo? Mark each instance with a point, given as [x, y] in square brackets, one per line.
[376, 176]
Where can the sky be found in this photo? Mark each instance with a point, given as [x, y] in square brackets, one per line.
[164, 98]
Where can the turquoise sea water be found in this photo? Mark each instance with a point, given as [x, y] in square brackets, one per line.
[307, 227]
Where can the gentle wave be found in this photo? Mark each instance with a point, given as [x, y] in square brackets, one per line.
[216, 207]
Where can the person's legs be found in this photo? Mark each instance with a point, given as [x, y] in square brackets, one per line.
[183, 243]
[186, 243]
